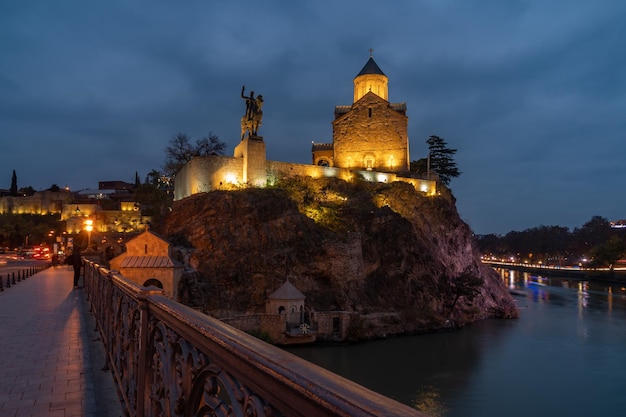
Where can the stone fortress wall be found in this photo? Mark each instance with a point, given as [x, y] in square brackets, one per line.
[210, 173]
[42, 202]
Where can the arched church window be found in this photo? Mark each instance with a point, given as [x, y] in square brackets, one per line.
[154, 283]
[323, 163]
[281, 310]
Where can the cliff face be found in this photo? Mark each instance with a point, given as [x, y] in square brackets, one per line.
[371, 248]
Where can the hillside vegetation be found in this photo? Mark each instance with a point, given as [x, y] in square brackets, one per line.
[373, 248]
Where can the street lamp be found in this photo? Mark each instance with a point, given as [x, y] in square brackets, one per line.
[89, 228]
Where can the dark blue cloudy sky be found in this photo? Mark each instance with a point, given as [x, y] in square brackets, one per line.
[531, 93]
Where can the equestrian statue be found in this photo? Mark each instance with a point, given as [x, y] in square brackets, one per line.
[251, 121]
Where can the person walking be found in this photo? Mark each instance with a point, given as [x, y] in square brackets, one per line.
[77, 263]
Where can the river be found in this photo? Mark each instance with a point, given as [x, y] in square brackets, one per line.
[564, 356]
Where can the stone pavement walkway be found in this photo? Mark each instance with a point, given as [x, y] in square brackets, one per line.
[50, 353]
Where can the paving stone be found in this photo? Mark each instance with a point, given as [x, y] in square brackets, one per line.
[51, 374]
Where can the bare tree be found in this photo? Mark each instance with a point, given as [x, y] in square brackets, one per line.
[181, 150]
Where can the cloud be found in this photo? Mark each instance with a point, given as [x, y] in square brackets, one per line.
[531, 93]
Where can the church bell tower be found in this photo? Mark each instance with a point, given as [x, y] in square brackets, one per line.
[371, 78]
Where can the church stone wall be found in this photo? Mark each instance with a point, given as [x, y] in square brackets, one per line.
[372, 136]
[324, 157]
[168, 277]
[147, 244]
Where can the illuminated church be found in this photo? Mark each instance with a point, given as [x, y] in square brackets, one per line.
[370, 142]
[371, 134]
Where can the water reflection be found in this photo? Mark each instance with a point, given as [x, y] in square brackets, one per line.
[428, 400]
[563, 356]
[583, 296]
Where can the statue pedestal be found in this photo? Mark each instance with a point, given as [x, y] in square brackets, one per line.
[252, 150]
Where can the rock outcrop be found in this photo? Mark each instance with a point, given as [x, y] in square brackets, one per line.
[382, 250]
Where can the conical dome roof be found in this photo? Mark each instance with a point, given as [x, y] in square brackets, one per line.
[287, 291]
[371, 68]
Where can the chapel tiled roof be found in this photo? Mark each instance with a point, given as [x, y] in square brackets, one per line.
[149, 262]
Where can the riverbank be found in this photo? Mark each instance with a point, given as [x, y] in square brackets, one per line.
[583, 274]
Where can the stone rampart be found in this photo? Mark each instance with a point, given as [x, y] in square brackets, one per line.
[209, 173]
[42, 202]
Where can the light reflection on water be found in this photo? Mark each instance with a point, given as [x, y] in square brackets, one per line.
[428, 400]
[563, 356]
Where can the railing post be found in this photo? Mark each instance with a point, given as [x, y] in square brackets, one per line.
[8, 281]
[13, 277]
[143, 355]
[1, 284]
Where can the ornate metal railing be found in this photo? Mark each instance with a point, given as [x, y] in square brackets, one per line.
[170, 360]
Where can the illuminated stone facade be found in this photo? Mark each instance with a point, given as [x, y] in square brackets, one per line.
[372, 133]
[42, 202]
[370, 141]
[148, 261]
[127, 219]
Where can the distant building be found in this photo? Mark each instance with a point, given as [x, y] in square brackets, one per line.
[42, 202]
[115, 185]
[618, 224]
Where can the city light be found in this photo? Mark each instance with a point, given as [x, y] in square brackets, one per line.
[89, 228]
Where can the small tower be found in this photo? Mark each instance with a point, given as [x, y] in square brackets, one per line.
[371, 78]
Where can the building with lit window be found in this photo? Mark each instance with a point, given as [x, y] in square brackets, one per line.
[372, 133]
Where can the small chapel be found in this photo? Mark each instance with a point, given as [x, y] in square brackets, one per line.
[372, 133]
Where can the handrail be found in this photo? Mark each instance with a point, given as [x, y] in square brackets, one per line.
[169, 359]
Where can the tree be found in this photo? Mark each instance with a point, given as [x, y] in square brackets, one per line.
[13, 189]
[591, 234]
[54, 188]
[154, 177]
[420, 166]
[137, 180]
[441, 160]
[14, 228]
[210, 145]
[154, 202]
[609, 252]
[467, 285]
[180, 151]
[26, 191]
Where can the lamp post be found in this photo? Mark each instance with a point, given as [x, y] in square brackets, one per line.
[88, 228]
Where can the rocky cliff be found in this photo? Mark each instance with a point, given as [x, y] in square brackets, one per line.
[382, 250]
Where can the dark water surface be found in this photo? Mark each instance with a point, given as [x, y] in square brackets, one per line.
[564, 356]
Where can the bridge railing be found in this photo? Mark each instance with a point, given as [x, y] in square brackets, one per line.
[170, 360]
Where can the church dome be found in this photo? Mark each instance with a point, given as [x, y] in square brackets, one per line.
[370, 67]
[371, 79]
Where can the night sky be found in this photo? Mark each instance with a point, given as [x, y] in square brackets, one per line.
[531, 93]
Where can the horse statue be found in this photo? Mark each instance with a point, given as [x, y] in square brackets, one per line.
[251, 121]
